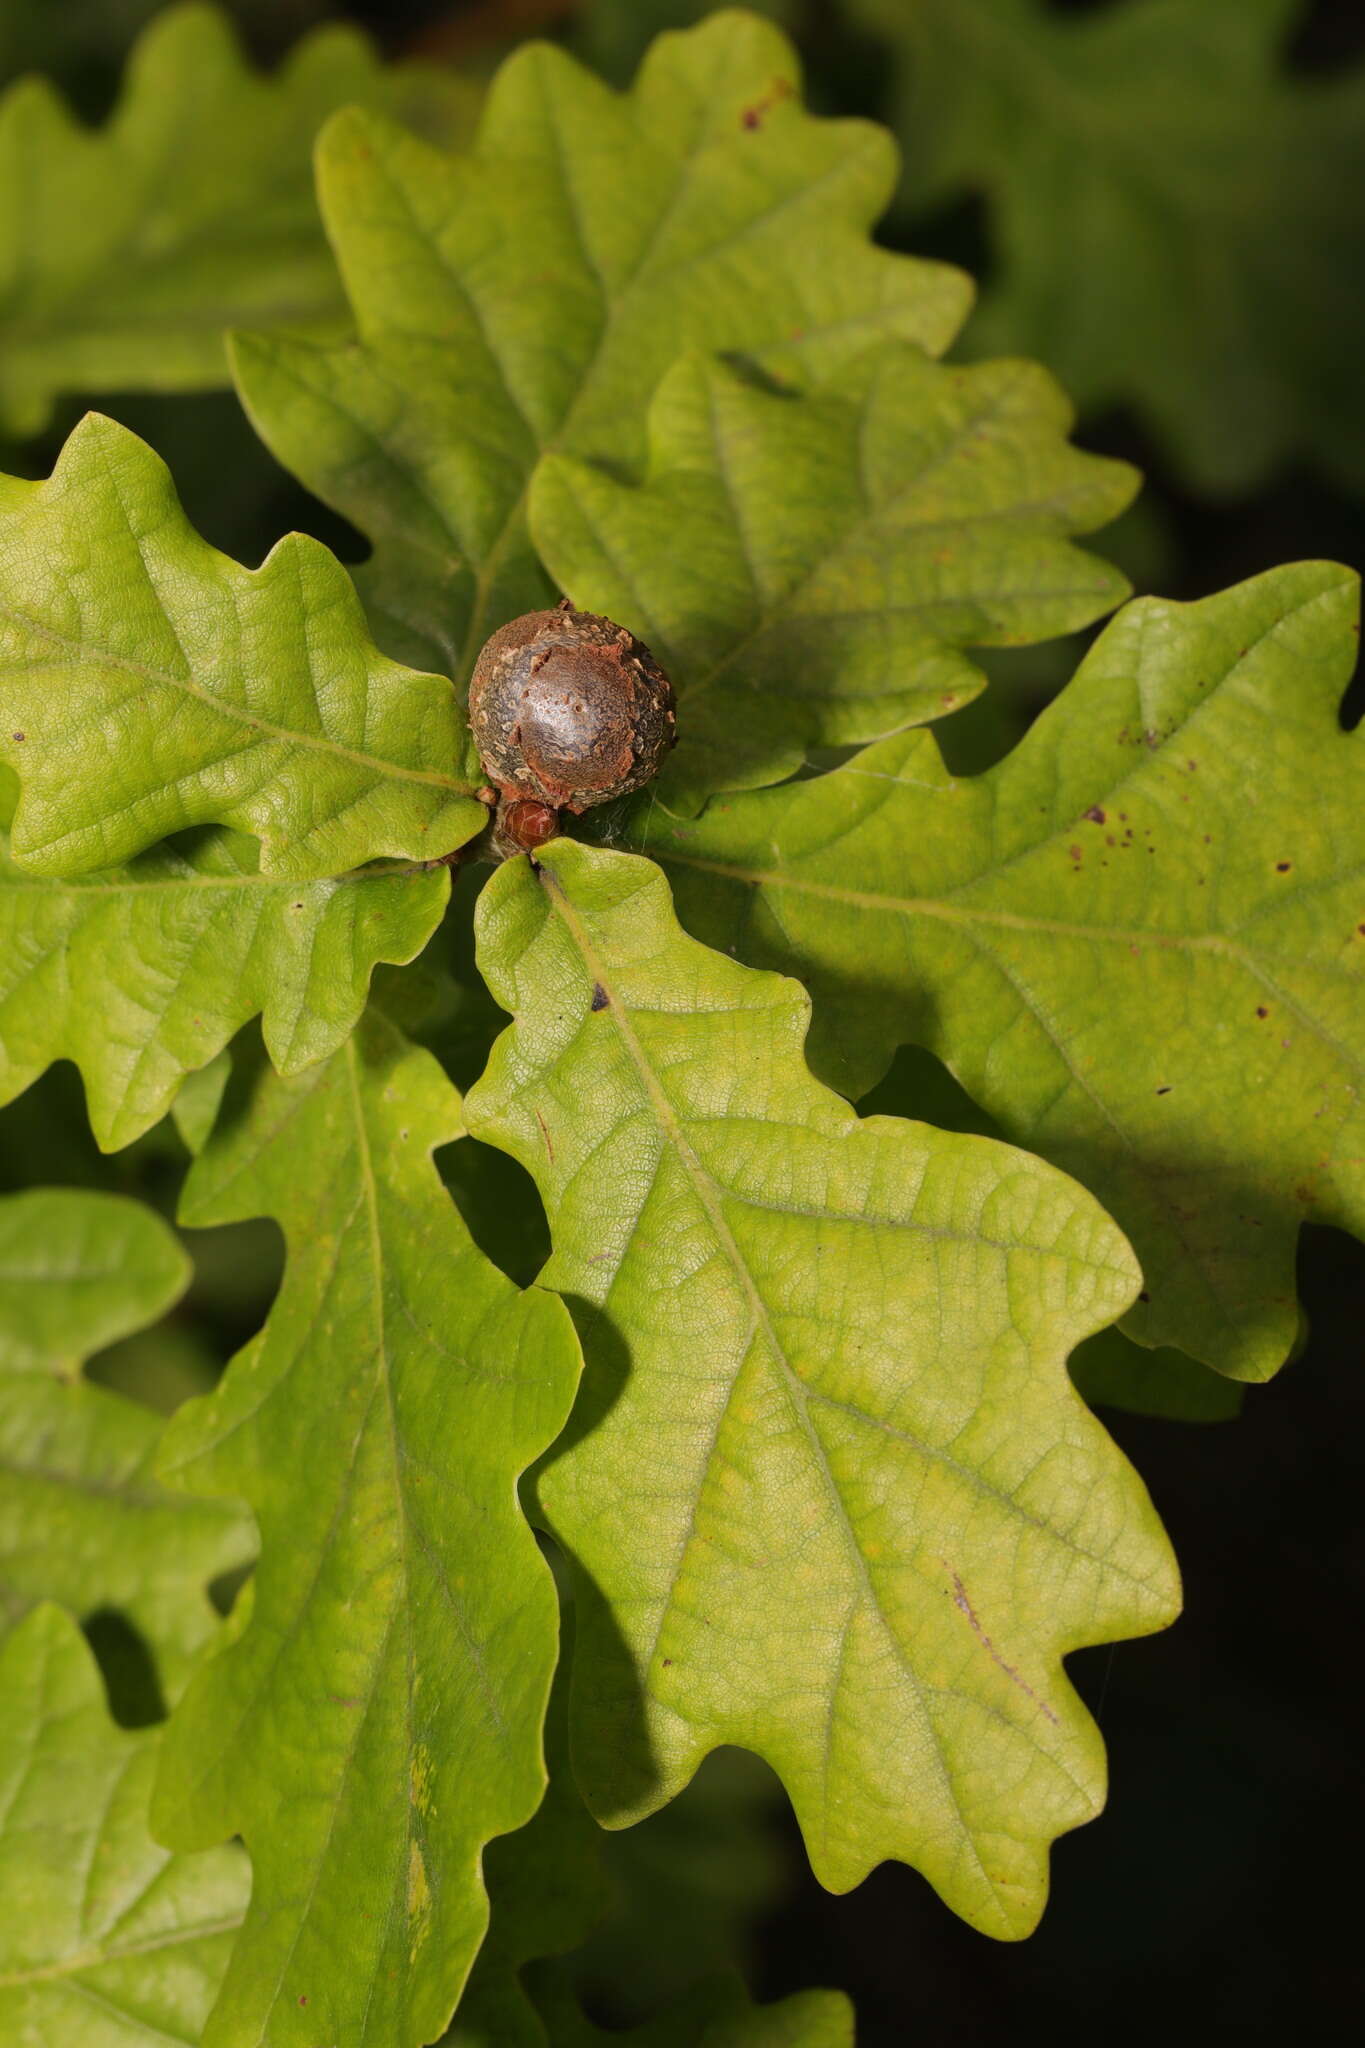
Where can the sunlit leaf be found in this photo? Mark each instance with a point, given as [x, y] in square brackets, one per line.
[378, 1718]
[147, 683]
[1109, 1369]
[141, 974]
[1139, 942]
[82, 1518]
[809, 572]
[531, 296]
[829, 1493]
[106, 1940]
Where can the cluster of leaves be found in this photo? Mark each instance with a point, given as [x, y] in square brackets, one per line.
[126, 253]
[1171, 210]
[1173, 215]
[790, 1399]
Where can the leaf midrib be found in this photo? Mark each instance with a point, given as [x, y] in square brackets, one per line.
[614, 305]
[887, 904]
[80, 655]
[709, 1193]
[95, 1956]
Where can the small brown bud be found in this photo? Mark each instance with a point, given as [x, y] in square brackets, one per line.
[527, 824]
[569, 709]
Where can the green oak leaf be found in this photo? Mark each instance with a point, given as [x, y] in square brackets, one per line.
[808, 571]
[183, 945]
[826, 1426]
[124, 254]
[531, 295]
[1176, 220]
[614, 35]
[106, 1940]
[1138, 942]
[378, 1718]
[547, 1889]
[1109, 1369]
[147, 684]
[649, 1912]
[690, 1888]
[83, 1520]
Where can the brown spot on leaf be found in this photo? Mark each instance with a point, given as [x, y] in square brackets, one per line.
[753, 116]
[1011, 1671]
[1261, 1010]
[1282, 867]
[1095, 815]
[600, 998]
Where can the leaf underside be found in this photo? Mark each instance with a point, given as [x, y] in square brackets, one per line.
[920, 1518]
[83, 1520]
[106, 1939]
[126, 253]
[377, 1718]
[1139, 942]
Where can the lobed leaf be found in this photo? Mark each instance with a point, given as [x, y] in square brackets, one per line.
[147, 684]
[657, 1913]
[82, 1518]
[809, 572]
[547, 1888]
[532, 295]
[126, 253]
[105, 1939]
[614, 35]
[378, 1717]
[1175, 216]
[1109, 1370]
[829, 1493]
[141, 974]
[1138, 942]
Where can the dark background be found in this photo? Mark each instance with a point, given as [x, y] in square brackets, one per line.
[1218, 1894]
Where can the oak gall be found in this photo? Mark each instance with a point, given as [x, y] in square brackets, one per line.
[569, 710]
